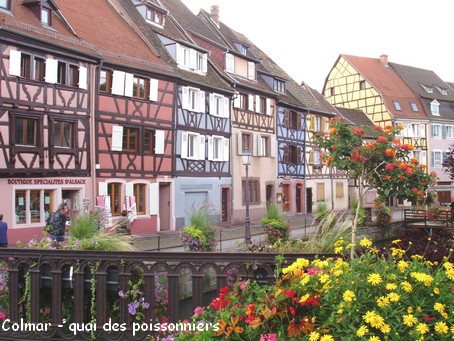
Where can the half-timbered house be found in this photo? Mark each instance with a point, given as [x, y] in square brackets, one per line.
[46, 122]
[134, 133]
[201, 108]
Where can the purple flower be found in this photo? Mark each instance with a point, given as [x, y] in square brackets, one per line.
[135, 304]
[146, 305]
[131, 309]
[121, 293]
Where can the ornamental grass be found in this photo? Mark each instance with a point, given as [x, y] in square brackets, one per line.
[370, 297]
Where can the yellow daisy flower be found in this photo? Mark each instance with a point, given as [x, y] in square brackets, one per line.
[374, 279]
[363, 330]
[409, 320]
[441, 328]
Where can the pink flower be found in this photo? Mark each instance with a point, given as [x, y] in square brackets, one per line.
[268, 337]
[243, 285]
[2, 316]
[199, 311]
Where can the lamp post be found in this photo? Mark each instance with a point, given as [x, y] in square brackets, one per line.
[246, 158]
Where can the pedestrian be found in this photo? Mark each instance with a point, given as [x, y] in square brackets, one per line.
[3, 232]
[57, 222]
[123, 225]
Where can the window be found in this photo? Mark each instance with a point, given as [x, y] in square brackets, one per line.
[435, 107]
[243, 101]
[193, 99]
[241, 48]
[437, 158]
[191, 59]
[332, 91]
[73, 75]
[46, 16]
[413, 130]
[218, 148]
[25, 131]
[362, 85]
[318, 123]
[436, 130]
[262, 105]
[130, 139]
[20, 206]
[294, 120]
[148, 138]
[38, 69]
[5, 4]
[139, 193]
[246, 142]
[339, 189]
[263, 146]
[154, 16]
[105, 81]
[428, 89]
[316, 160]
[397, 106]
[444, 92]
[414, 107]
[64, 134]
[320, 192]
[29, 208]
[219, 105]
[114, 191]
[35, 206]
[192, 146]
[449, 132]
[418, 155]
[61, 73]
[193, 140]
[25, 66]
[254, 191]
[292, 155]
[279, 86]
[139, 87]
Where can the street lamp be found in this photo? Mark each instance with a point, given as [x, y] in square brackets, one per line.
[246, 158]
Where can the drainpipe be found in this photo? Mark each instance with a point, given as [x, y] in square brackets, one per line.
[93, 105]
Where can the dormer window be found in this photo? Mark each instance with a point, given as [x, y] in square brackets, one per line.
[154, 16]
[188, 58]
[414, 107]
[397, 105]
[241, 48]
[435, 107]
[46, 16]
[444, 92]
[279, 86]
[428, 89]
[5, 4]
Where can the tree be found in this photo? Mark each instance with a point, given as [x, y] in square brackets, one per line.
[448, 163]
[383, 164]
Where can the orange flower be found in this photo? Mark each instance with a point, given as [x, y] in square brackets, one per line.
[332, 131]
[389, 152]
[382, 139]
[409, 171]
[400, 126]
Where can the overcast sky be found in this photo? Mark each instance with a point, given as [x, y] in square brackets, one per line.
[305, 37]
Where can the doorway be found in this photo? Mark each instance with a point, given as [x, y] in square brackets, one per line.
[164, 206]
[225, 205]
[298, 198]
[286, 197]
[269, 193]
[309, 200]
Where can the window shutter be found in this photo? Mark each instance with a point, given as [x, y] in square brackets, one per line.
[229, 63]
[117, 138]
[298, 156]
[273, 146]
[432, 130]
[14, 62]
[423, 130]
[118, 83]
[268, 106]
[312, 124]
[240, 143]
[211, 111]
[251, 102]
[201, 147]
[255, 138]
[286, 118]
[257, 104]
[154, 89]
[226, 151]
[251, 70]
[286, 154]
[102, 188]
[226, 107]
[180, 54]
[204, 63]
[51, 71]
[129, 82]
[129, 189]
[237, 100]
[299, 121]
[423, 158]
[83, 77]
[154, 199]
[322, 128]
[184, 146]
[444, 130]
[185, 98]
[259, 145]
[432, 158]
[210, 148]
[311, 157]
[202, 101]
[193, 59]
[159, 144]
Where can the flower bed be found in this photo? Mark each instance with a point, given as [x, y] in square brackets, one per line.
[370, 297]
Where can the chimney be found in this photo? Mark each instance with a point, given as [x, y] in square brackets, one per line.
[215, 14]
[384, 60]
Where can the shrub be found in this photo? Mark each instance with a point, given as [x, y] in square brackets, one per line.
[194, 240]
[369, 297]
[275, 230]
[383, 215]
[320, 212]
[433, 213]
[200, 235]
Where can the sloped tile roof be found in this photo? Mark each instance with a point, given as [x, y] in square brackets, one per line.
[388, 83]
[358, 118]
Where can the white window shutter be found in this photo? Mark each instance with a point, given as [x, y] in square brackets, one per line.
[83, 77]
[226, 108]
[240, 143]
[205, 63]
[423, 157]
[51, 71]
[159, 143]
[201, 147]
[154, 199]
[229, 63]
[251, 70]
[257, 104]
[154, 89]
[193, 59]
[212, 104]
[117, 138]
[423, 130]
[268, 106]
[226, 151]
[184, 146]
[259, 146]
[273, 146]
[202, 101]
[251, 102]
[180, 56]
[185, 98]
[14, 62]
[102, 188]
[255, 144]
[129, 82]
[129, 189]
[118, 83]
[210, 148]
[237, 100]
